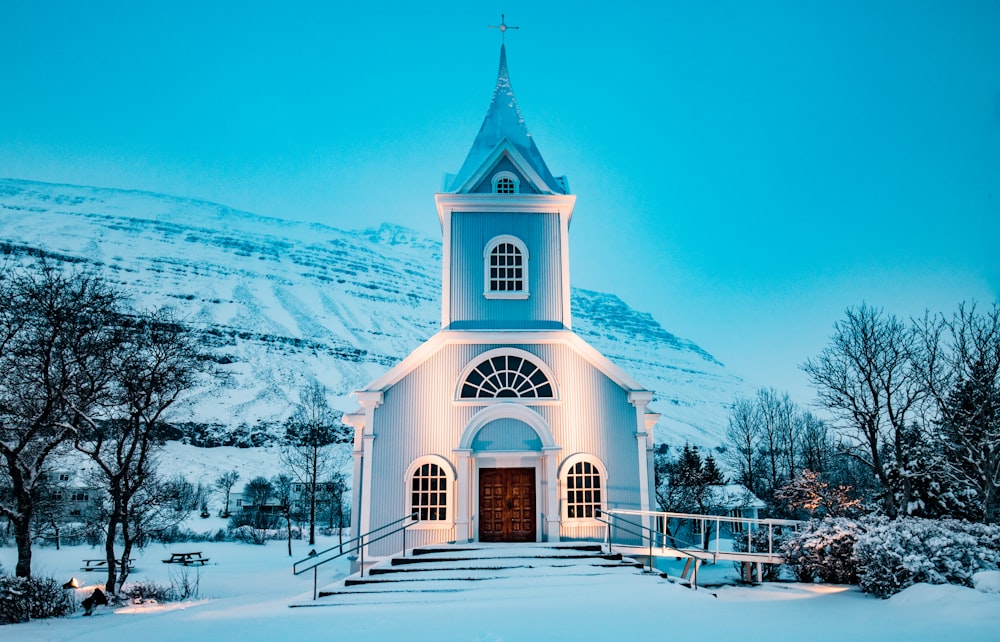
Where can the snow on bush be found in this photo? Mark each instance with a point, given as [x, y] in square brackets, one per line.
[32, 598]
[986, 581]
[895, 554]
[885, 556]
[823, 551]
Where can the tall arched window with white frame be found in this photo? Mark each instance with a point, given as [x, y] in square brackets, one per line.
[429, 493]
[584, 484]
[506, 268]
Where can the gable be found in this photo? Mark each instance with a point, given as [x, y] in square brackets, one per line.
[505, 164]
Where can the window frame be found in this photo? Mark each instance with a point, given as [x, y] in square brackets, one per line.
[566, 469]
[448, 471]
[488, 280]
[515, 181]
[483, 357]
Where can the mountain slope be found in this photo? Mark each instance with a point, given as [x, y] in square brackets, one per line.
[281, 302]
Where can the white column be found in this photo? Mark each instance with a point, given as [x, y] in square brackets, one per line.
[369, 401]
[463, 495]
[357, 421]
[553, 516]
[639, 399]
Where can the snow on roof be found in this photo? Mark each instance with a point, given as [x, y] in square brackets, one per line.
[731, 496]
[504, 122]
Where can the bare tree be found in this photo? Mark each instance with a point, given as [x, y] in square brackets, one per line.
[224, 484]
[312, 436]
[743, 436]
[283, 495]
[55, 327]
[866, 378]
[155, 362]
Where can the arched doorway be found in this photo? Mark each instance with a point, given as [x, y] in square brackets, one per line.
[511, 475]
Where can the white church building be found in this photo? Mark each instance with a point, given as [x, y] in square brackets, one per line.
[505, 426]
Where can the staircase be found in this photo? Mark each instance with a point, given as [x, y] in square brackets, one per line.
[455, 568]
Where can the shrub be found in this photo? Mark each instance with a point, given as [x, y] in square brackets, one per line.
[885, 556]
[823, 551]
[141, 591]
[33, 598]
[893, 555]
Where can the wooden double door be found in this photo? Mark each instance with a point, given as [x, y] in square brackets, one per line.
[507, 504]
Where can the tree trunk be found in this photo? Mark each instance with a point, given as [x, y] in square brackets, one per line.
[109, 552]
[22, 537]
[312, 493]
[288, 527]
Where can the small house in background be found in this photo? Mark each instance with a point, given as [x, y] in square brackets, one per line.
[505, 426]
[734, 500]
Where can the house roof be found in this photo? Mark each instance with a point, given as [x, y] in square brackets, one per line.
[504, 126]
[732, 496]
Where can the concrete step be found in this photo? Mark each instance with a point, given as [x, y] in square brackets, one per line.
[447, 569]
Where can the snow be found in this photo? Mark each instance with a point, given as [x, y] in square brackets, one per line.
[283, 303]
[987, 581]
[246, 591]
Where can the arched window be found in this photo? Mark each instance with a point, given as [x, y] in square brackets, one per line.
[429, 493]
[506, 263]
[506, 183]
[583, 483]
[506, 376]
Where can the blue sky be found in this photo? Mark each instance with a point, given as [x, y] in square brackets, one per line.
[744, 171]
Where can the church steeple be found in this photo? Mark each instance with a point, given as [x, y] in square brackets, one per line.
[504, 127]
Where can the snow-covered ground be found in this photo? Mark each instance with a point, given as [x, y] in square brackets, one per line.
[245, 593]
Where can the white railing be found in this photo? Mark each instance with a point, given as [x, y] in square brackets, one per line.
[659, 520]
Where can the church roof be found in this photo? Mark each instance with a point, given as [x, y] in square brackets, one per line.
[504, 122]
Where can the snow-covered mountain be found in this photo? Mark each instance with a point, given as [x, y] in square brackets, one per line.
[280, 302]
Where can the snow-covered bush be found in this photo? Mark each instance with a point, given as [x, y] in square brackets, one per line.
[32, 598]
[146, 591]
[895, 554]
[823, 551]
[885, 556]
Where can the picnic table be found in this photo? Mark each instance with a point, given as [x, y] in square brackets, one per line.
[94, 564]
[187, 559]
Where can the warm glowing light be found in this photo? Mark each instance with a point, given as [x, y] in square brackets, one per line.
[72, 583]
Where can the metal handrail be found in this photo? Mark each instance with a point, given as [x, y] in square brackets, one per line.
[650, 538]
[316, 560]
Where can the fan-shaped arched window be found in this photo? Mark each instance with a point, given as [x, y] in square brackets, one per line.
[506, 183]
[506, 376]
[506, 263]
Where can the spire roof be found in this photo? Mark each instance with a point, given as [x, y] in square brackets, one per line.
[504, 122]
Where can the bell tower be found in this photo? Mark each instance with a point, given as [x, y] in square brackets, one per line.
[505, 223]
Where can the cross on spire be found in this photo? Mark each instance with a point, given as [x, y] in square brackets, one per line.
[503, 27]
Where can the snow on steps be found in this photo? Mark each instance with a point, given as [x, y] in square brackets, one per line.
[450, 569]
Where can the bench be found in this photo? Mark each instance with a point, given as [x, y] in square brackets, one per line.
[102, 563]
[187, 559]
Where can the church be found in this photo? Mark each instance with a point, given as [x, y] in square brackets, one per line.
[505, 426]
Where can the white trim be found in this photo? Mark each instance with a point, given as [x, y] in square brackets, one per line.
[517, 160]
[514, 178]
[563, 470]
[491, 245]
[450, 474]
[507, 411]
[567, 314]
[445, 338]
[561, 204]
[497, 352]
